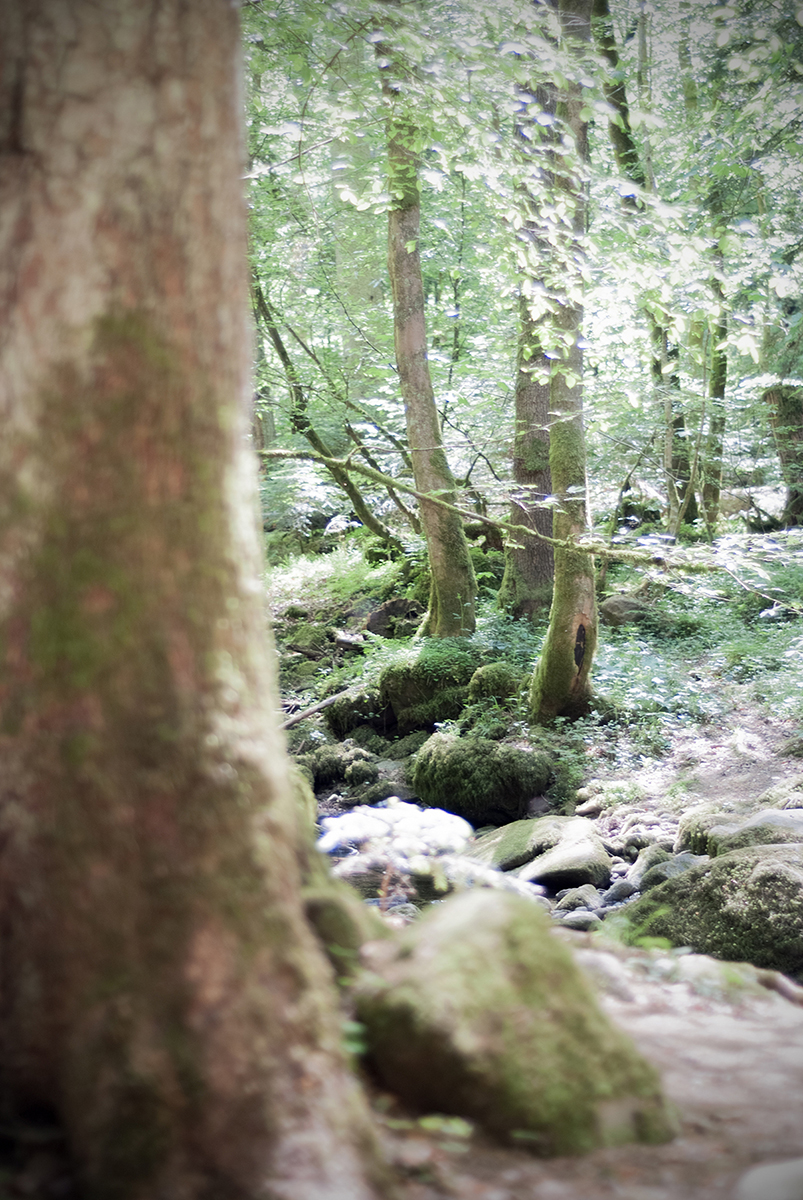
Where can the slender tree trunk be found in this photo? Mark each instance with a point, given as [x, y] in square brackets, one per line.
[714, 446]
[526, 587]
[301, 423]
[160, 987]
[453, 589]
[786, 417]
[561, 683]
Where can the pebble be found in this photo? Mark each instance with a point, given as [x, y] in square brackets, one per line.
[772, 1181]
[579, 918]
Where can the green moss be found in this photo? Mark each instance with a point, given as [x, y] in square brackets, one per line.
[358, 708]
[478, 779]
[746, 906]
[429, 683]
[309, 639]
[499, 680]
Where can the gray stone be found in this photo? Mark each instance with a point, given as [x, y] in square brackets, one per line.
[647, 858]
[772, 1181]
[622, 610]
[477, 1009]
[621, 889]
[579, 857]
[669, 868]
[586, 896]
[580, 918]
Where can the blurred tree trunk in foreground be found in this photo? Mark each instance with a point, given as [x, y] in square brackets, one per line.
[160, 988]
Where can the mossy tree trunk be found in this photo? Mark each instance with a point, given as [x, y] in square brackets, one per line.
[162, 991]
[453, 589]
[561, 683]
[529, 561]
[786, 417]
[715, 440]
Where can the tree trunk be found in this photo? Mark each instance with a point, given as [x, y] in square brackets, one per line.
[561, 683]
[160, 987]
[712, 469]
[786, 418]
[453, 589]
[529, 562]
[526, 587]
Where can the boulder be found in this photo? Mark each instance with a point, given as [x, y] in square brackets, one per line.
[519, 842]
[578, 858]
[395, 618]
[486, 782]
[746, 906]
[429, 684]
[354, 709]
[770, 826]
[623, 610]
[706, 830]
[648, 857]
[670, 867]
[479, 1011]
[496, 680]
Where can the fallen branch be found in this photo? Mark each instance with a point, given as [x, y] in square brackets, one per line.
[310, 712]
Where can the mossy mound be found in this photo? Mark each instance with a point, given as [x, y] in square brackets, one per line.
[311, 640]
[335, 764]
[496, 680]
[359, 707]
[429, 684]
[480, 1011]
[745, 906]
[488, 783]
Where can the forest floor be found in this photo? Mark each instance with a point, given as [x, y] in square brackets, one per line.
[731, 1063]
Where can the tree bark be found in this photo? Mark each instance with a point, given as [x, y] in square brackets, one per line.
[561, 684]
[454, 588]
[715, 441]
[160, 987]
[786, 417]
[526, 587]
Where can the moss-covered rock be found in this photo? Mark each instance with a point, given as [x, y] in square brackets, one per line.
[486, 782]
[578, 858]
[403, 747]
[711, 832]
[745, 906]
[496, 680]
[361, 706]
[481, 1012]
[308, 639]
[770, 826]
[786, 794]
[695, 825]
[517, 843]
[429, 684]
[334, 764]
